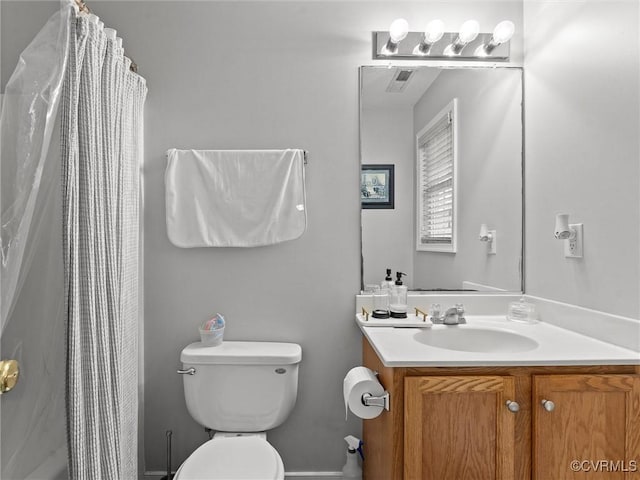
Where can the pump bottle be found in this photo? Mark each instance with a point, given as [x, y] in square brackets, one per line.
[387, 283]
[398, 298]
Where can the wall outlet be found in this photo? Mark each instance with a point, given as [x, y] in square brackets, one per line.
[573, 246]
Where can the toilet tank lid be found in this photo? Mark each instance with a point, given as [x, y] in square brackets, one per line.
[242, 353]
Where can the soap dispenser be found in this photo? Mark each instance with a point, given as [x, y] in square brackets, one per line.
[398, 298]
[387, 283]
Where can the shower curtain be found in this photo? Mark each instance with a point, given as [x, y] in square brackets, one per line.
[101, 129]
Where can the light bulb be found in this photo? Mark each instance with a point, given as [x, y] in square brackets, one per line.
[434, 31]
[469, 31]
[503, 32]
[398, 30]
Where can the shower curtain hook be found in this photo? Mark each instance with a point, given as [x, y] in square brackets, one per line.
[83, 6]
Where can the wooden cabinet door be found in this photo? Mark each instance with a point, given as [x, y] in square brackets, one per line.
[459, 427]
[590, 431]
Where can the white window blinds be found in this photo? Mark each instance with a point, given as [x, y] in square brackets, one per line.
[436, 183]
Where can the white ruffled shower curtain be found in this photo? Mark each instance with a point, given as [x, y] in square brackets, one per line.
[101, 132]
[101, 129]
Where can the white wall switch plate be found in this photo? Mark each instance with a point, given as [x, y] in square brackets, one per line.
[573, 246]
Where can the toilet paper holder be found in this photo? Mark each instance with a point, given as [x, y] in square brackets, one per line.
[369, 400]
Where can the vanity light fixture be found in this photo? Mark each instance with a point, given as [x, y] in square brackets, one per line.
[501, 34]
[433, 33]
[434, 43]
[488, 236]
[571, 233]
[468, 33]
[397, 32]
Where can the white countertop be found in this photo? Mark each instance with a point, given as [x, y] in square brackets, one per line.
[399, 347]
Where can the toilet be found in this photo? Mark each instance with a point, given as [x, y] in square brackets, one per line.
[239, 390]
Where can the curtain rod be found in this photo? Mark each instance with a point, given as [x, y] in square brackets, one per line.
[83, 7]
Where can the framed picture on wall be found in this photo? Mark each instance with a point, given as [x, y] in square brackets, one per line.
[376, 186]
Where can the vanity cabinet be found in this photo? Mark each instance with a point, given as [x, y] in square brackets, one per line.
[441, 415]
[582, 418]
[453, 423]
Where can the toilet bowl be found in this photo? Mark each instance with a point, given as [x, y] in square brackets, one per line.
[233, 458]
[239, 390]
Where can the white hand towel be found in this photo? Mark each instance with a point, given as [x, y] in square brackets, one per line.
[234, 198]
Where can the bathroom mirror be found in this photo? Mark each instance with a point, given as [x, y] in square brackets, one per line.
[454, 139]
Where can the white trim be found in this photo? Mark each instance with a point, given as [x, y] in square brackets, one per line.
[452, 106]
[157, 474]
[311, 475]
[480, 287]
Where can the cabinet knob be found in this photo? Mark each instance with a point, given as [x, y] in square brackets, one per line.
[548, 405]
[512, 406]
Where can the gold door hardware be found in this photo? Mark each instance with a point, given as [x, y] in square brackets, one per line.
[9, 372]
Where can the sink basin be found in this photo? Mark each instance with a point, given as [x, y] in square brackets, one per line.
[465, 338]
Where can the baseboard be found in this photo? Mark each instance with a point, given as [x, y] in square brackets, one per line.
[153, 475]
[311, 475]
[156, 475]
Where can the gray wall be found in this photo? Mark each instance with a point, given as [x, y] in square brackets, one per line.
[582, 121]
[256, 75]
[261, 75]
[387, 234]
[489, 177]
[242, 76]
[269, 74]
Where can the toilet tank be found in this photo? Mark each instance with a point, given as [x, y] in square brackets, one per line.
[241, 386]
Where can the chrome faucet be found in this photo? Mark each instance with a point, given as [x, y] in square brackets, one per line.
[453, 316]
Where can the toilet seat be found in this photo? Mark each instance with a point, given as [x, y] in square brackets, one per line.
[231, 458]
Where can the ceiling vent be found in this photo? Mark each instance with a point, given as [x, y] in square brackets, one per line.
[400, 80]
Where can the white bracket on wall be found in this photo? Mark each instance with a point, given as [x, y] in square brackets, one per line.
[573, 245]
[489, 236]
[493, 243]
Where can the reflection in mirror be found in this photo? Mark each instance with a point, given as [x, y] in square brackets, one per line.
[454, 137]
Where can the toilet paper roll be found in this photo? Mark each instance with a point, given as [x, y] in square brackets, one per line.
[357, 382]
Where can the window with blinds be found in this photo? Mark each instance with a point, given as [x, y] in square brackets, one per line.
[436, 195]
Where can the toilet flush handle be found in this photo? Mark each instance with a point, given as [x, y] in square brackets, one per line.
[188, 371]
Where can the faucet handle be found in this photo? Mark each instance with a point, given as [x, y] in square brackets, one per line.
[434, 311]
[460, 309]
